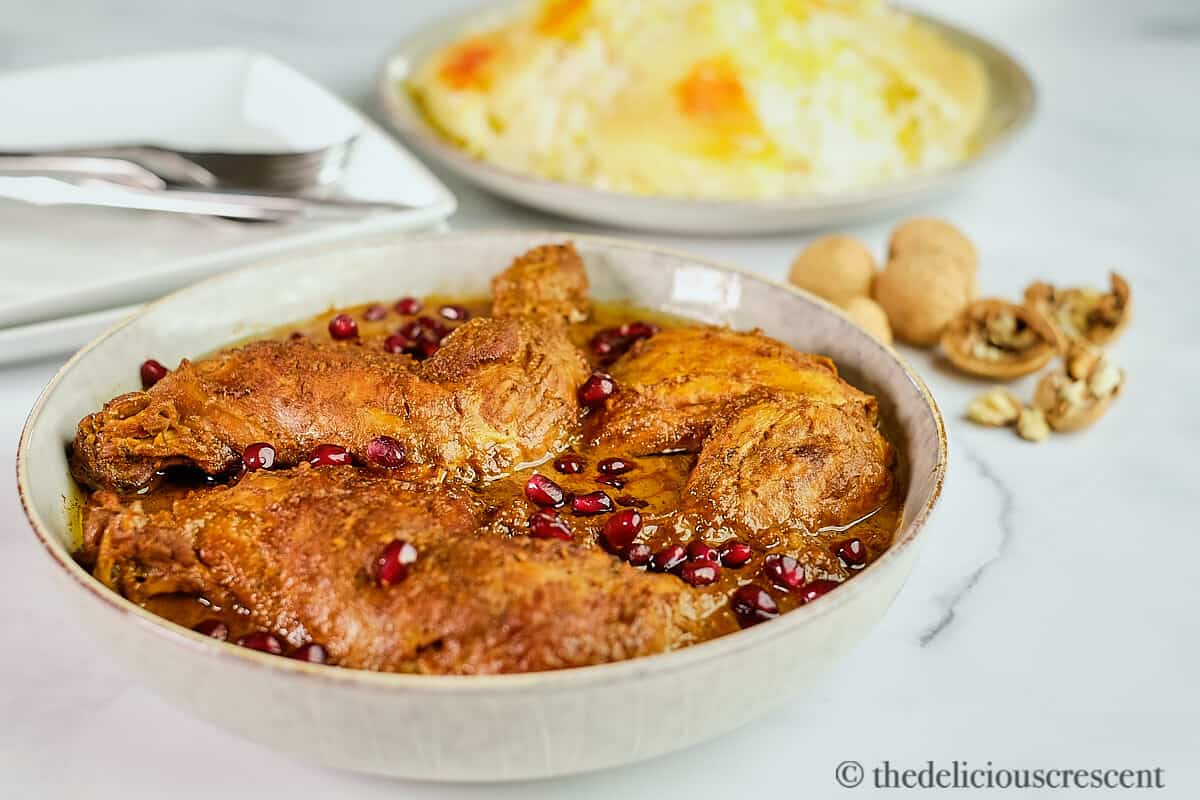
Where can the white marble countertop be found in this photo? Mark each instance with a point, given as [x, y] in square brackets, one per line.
[1053, 619]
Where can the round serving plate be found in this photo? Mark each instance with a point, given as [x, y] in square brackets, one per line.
[1011, 106]
[475, 728]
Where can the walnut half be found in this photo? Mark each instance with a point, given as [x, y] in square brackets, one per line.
[997, 339]
[1091, 314]
[1076, 395]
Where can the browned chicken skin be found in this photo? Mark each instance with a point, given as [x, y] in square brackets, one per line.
[779, 464]
[548, 280]
[499, 392]
[298, 547]
[673, 387]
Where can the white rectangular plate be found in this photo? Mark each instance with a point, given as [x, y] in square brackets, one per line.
[62, 261]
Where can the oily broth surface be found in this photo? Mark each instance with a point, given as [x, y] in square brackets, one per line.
[653, 487]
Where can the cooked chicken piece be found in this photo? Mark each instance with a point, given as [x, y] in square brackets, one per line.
[784, 463]
[298, 549]
[672, 388]
[504, 394]
[499, 392]
[548, 280]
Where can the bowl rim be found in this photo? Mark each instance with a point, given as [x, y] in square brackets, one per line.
[559, 680]
[407, 119]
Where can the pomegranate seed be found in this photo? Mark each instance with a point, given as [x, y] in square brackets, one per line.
[263, 642]
[631, 502]
[638, 330]
[437, 329]
[454, 313]
[699, 551]
[343, 326]
[784, 571]
[392, 564]
[606, 344]
[312, 652]
[425, 349]
[638, 554]
[569, 464]
[701, 572]
[547, 524]
[329, 455]
[815, 589]
[213, 628]
[596, 389]
[753, 604]
[544, 492]
[386, 452]
[259, 455]
[422, 339]
[408, 306]
[615, 466]
[374, 313]
[609, 343]
[621, 529]
[735, 554]
[853, 553]
[414, 331]
[152, 372]
[611, 480]
[592, 503]
[398, 343]
[669, 558]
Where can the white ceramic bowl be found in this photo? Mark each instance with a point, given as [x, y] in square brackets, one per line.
[494, 727]
[1011, 106]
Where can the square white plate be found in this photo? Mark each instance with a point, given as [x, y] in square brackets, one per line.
[62, 261]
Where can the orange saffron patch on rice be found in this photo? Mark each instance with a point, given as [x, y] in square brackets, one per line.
[467, 65]
[563, 18]
[712, 95]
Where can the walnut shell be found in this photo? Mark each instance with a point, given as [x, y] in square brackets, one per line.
[1099, 317]
[1074, 404]
[869, 316]
[997, 339]
[925, 235]
[836, 268]
[921, 292]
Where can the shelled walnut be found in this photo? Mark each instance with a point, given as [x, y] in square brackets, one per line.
[1076, 395]
[996, 339]
[1031, 425]
[997, 407]
[1099, 317]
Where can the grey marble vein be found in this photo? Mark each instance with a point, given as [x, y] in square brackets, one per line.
[1004, 520]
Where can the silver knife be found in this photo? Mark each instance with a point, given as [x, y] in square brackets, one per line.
[45, 190]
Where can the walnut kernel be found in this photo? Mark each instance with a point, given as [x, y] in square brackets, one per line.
[996, 407]
[1031, 425]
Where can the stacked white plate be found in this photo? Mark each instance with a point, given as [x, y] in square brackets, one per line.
[66, 273]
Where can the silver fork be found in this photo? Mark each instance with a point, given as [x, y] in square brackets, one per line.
[286, 172]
